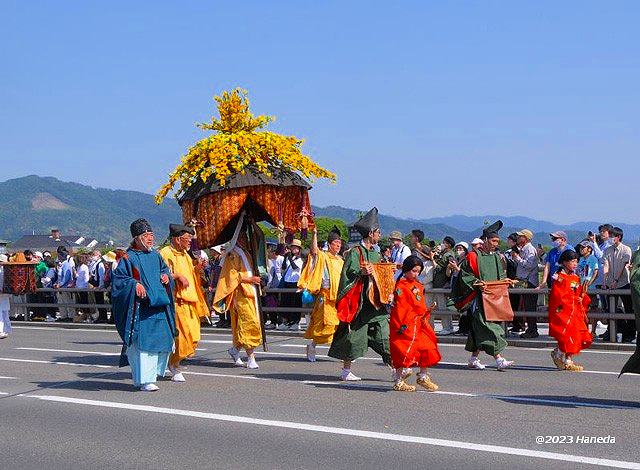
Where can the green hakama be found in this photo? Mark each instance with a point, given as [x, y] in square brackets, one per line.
[484, 335]
[370, 327]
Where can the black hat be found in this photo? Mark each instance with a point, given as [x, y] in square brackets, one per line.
[368, 223]
[411, 262]
[334, 234]
[175, 230]
[492, 230]
[140, 226]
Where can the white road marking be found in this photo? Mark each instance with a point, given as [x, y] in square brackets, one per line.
[537, 368]
[323, 356]
[209, 374]
[450, 345]
[60, 363]
[53, 328]
[8, 378]
[523, 348]
[352, 385]
[512, 451]
[4, 393]
[591, 404]
[97, 353]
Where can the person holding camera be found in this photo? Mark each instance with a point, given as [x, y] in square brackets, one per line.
[525, 257]
[443, 281]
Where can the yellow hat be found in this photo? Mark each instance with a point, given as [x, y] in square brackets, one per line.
[109, 257]
[528, 234]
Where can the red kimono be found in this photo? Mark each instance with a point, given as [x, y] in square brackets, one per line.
[413, 341]
[568, 307]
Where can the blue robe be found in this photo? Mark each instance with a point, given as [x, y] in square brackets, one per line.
[143, 324]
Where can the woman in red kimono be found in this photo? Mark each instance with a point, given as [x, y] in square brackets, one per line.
[568, 307]
[412, 339]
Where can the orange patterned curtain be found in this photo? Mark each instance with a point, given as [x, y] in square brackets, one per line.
[216, 210]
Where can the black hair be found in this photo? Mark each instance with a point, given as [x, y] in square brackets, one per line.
[513, 237]
[567, 255]
[449, 240]
[607, 227]
[411, 262]
[419, 234]
[616, 232]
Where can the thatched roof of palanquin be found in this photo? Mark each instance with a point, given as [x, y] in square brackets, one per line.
[251, 177]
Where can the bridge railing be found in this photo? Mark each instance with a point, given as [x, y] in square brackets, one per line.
[611, 316]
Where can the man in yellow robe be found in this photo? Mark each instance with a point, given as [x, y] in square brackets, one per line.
[189, 299]
[321, 276]
[237, 295]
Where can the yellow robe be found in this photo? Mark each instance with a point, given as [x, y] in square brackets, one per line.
[190, 303]
[240, 299]
[324, 317]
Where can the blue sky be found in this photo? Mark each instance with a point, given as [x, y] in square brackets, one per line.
[422, 108]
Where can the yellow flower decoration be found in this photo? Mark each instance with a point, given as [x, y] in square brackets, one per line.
[236, 144]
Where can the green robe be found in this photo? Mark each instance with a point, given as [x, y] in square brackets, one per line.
[633, 364]
[370, 327]
[484, 335]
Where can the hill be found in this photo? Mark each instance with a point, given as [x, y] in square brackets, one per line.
[35, 203]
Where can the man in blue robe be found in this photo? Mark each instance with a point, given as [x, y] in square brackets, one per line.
[144, 312]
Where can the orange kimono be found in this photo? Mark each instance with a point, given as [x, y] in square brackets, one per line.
[413, 341]
[190, 303]
[568, 307]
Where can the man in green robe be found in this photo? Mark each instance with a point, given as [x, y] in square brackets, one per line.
[369, 328]
[481, 265]
[633, 364]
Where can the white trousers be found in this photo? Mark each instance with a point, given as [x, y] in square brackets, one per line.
[5, 323]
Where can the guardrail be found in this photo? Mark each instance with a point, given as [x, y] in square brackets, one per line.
[612, 315]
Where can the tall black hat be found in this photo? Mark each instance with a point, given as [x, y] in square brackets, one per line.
[368, 223]
[491, 231]
[140, 226]
[334, 234]
[175, 230]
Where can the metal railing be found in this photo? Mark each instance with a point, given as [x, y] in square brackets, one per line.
[611, 315]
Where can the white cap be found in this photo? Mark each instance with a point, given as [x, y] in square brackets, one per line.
[3, 258]
[204, 255]
[38, 254]
[464, 245]
[476, 241]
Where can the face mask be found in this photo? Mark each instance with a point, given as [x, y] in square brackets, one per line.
[460, 252]
[556, 243]
[443, 247]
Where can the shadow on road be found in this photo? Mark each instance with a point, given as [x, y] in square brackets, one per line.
[89, 386]
[563, 401]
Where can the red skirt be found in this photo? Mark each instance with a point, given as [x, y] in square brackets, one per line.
[415, 346]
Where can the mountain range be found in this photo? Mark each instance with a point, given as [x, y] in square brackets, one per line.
[34, 204]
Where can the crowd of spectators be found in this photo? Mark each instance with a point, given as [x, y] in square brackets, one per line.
[604, 264]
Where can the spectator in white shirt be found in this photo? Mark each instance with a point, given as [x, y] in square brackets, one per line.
[399, 251]
[617, 259]
[82, 282]
[291, 269]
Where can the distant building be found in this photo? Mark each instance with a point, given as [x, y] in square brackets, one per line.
[51, 242]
